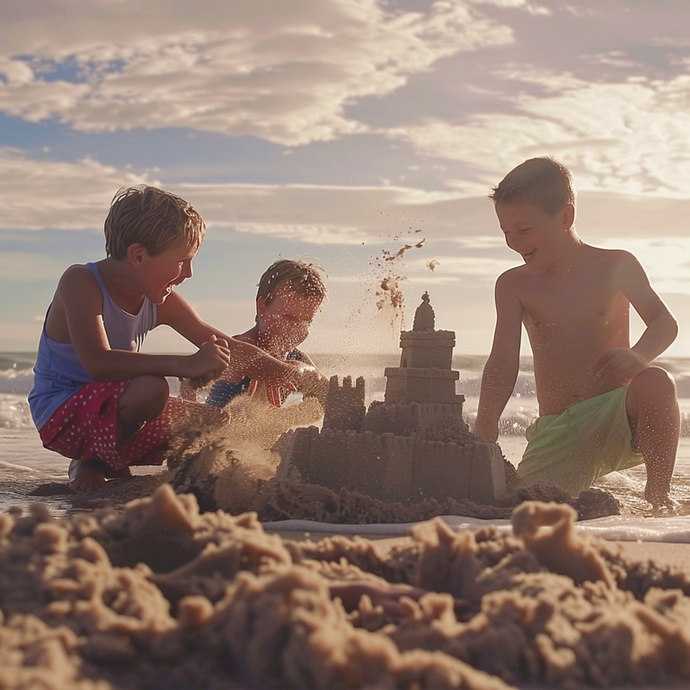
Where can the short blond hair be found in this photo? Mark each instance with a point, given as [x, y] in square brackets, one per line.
[302, 278]
[542, 182]
[153, 218]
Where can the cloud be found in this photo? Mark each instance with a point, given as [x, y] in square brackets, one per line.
[631, 137]
[55, 194]
[517, 5]
[281, 71]
[455, 269]
[39, 194]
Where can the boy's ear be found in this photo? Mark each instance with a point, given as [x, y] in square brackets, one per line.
[136, 253]
[568, 216]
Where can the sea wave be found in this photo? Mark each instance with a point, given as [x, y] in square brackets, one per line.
[16, 381]
[14, 412]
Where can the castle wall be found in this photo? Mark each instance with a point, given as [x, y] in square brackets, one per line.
[421, 385]
[405, 419]
[395, 468]
[345, 406]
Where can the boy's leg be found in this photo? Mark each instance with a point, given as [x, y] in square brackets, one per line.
[652, 407]
[144, 405]
[143, 399]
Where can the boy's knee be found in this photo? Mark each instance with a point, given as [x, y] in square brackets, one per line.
[148, 393]
[655, 379]
[651, 385]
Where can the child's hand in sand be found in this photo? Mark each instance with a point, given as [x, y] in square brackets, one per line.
[310, 381]
[619, 364]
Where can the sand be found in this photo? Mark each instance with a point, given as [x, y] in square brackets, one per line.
[159, 595]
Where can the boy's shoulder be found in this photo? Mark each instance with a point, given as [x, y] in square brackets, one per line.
[610, 259]
[76, 273]
[77, 279]
[512, 276]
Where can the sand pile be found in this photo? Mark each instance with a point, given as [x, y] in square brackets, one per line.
[161, 596]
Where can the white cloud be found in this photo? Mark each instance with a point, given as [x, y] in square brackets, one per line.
[631, 137]
[312, 234]
[452, 269]
[55, 194]
[40, 194]
[281, 71]
[516, 5]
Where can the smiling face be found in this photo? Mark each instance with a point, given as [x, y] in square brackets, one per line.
[162, 272]
[284, 322]
[541, 239]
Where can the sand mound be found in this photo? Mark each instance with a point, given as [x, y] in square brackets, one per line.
[162, 596]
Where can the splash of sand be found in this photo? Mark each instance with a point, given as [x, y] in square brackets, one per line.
[388, 269]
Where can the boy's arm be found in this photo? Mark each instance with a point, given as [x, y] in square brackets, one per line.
[80, 299]
[502, 366]
[623, 364]
[246, 359]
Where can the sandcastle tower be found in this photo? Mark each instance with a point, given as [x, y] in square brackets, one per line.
[411, 446]
[420, 393]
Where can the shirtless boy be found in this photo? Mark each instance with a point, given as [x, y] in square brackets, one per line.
[602, 406]
[96, 398]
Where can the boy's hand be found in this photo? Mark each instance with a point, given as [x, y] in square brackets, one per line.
[311, 382]
[301, 377]
[620, 364]
[209, 362]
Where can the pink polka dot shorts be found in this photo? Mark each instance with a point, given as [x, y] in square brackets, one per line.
[85, 427]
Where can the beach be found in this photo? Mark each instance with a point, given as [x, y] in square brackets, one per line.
[26, 464]
[153, 593]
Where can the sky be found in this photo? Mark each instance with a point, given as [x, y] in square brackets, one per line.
[340, 131]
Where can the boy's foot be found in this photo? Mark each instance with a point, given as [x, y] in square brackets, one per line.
[662, 503]
[85, 476]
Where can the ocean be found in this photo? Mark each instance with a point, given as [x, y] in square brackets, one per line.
[25, 463]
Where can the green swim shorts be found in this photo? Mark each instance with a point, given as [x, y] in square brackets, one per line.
[575, 448]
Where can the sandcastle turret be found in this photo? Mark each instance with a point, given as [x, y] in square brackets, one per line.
[345, 406]
[425, 374]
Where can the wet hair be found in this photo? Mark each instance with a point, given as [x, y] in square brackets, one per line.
[302, 278]
[153, 218]
[542, 182]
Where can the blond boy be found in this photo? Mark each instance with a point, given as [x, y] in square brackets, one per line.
[96, 398]
[602, 406]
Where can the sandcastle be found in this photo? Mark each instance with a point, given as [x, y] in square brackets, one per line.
[414, 445]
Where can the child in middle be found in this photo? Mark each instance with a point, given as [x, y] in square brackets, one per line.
[289, 295]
